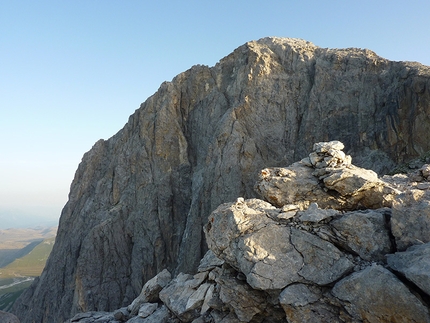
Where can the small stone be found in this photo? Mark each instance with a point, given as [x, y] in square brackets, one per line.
[287, 215]
[209, 261]
[315, 214]
[306, 161]
[315, 158]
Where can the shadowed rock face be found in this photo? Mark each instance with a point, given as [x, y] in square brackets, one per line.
[139, 200]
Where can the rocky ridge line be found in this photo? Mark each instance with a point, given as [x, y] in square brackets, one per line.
[296, 262]
[139, 200]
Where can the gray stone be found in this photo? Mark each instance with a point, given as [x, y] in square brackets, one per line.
[208, 298]
[147, 309]
[376, 295]
[176, 295]
[209, 261]
[315, 214]
[323, 147]
[161, 315]
[150, 291]
[196, 299]
[241, 298]
[364, 233]
[306, 303]
[414, 264]
[323, 263]
[298, 295]
[295, 182]
[121, 314]
[410, 222]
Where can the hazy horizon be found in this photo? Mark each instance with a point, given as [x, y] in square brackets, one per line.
[73, 72]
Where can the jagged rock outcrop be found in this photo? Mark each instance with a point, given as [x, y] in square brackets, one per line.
[139, 200]
[316, 265]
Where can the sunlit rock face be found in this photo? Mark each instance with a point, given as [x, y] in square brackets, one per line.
[139, 200]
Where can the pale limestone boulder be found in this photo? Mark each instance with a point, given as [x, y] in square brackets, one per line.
[150, 291]
[377, 295]
[323, 263]
[294, 184]
[247, 239]
[410, 222]
[93, 316]
[161, 315]
[298, 184]
[414, 264]
[365, 233]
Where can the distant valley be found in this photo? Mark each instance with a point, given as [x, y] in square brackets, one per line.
[23, 254]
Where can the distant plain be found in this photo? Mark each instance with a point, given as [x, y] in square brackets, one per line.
[23, 255]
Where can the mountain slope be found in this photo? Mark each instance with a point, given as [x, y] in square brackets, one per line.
[139, 200]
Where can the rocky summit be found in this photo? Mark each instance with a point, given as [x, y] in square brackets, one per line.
[140, 201]
[298, 262]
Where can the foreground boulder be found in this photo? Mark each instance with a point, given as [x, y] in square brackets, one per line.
[308, 260]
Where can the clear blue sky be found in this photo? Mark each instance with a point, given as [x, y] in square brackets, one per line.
[71, 72]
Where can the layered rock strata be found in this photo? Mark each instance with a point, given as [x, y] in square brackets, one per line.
[300, 263]
[139, 200]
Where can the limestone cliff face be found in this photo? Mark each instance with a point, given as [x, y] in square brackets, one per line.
[139, 200]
